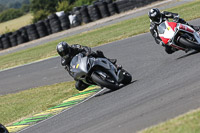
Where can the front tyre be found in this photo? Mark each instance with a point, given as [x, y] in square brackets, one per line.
[127, 77]
[99, 80]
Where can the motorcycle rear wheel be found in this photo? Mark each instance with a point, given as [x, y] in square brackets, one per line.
[103, 83]
[189, 44]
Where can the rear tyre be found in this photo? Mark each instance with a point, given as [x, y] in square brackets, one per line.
[127, 77]
[189, 44]
[103, 83]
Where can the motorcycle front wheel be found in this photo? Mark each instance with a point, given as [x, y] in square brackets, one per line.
[99, 80]
[127, 77]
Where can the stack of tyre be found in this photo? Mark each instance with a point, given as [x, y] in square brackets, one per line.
[48, 27]
[1, 45]
[75, 17]
[22, 35]
[32, 32]
[94, 12]
[85, 15]
[13, 39]
[41, 29]
[5, 40]
[123, 6]
[112, 8]
[64, 20]
[54, 23]
[103, 8]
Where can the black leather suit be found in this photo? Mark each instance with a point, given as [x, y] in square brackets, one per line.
[74, 50]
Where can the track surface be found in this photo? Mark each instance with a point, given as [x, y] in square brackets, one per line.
[50, 71]
[165, 86]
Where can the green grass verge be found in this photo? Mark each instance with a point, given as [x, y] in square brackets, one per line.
[15, 24]
[25, 103]
[96, 37]
[32, 101]
[187, 123]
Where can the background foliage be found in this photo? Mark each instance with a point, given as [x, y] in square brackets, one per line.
[10, 14]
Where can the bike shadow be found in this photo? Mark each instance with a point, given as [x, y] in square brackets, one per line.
[107, 91]
[189, 54]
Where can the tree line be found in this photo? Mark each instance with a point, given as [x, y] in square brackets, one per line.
[11, 9]
[39, 8]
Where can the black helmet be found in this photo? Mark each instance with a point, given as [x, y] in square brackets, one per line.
[63, 49]
[3, 129]
[155, 15]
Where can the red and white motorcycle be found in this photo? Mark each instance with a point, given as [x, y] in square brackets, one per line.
[179, 36]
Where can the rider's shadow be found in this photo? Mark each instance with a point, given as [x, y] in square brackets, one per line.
[189, 54]
[109, 90]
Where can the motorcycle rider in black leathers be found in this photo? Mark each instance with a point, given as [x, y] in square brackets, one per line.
[157, 17]
[68, 52]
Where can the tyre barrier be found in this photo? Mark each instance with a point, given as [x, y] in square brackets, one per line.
[32, 32]
[94, 12]
[20, 39]
[1, 45]
[78, 18]
[112, 8]
[123, 6]
[65, 24]
[54, 23]
[85, 15]
[47, 24]
[6, 41]
[41, 28]
[103, 8]
[13, 39]
[74, 20]
[23, 32]
[61, 21]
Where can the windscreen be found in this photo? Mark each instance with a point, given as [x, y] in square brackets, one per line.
[75, 62]
[161, 28]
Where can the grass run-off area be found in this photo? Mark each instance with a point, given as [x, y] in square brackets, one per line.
[32, 101]
[15, 24]
[28, 102]
[96, 37]
[187, 123]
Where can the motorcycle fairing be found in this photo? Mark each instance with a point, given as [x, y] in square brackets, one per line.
[106, 64]
[81, 66]
[166, 31]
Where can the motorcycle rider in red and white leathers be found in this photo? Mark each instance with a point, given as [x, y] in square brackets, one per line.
[157, 17]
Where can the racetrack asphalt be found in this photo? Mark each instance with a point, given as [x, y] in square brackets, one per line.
[50, 71]
[163, 87]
